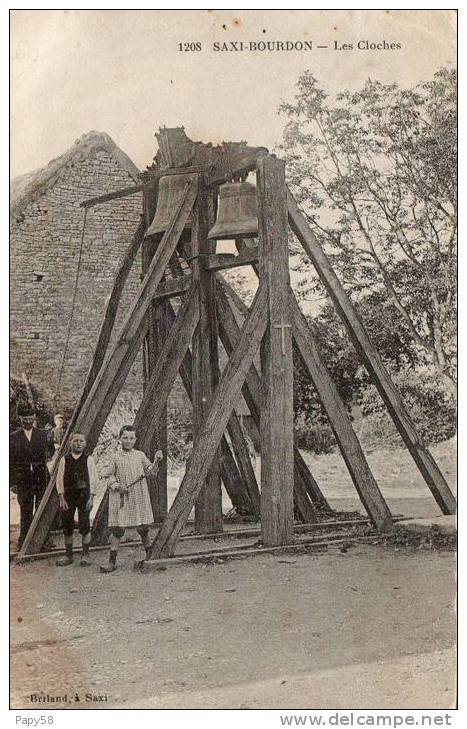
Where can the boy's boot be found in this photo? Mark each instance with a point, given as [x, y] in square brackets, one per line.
[112, 566]
[68, 558]
[85, 561]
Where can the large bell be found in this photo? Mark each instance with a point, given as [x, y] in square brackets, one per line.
[171, 190]
[237, 215]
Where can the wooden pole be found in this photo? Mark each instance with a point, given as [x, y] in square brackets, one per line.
[277, 459]
[349, 445]
[233, 481]
[223, 402]
[208, 507]
[370, 357]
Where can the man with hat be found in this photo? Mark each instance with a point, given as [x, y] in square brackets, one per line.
[30, 449]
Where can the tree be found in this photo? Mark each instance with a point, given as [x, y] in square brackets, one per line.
[375, 173]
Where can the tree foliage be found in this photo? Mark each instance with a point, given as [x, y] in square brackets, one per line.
[375, 173]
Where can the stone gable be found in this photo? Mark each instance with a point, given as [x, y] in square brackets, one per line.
[46, 229]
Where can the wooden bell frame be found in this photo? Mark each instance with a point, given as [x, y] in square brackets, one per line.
[186, 342]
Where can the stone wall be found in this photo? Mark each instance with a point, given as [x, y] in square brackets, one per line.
[45, 245]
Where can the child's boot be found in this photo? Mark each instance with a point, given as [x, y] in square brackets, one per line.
[112, 565]
[68, 558]
[144, 534]
[85, 561]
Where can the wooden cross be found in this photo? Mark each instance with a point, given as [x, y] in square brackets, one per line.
[282, 327]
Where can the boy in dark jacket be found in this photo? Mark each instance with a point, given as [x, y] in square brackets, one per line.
[77, 481]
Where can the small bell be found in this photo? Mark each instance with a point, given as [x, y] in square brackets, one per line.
[238, 212]
[171, 189]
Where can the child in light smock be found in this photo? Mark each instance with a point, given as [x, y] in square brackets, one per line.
[129, 500]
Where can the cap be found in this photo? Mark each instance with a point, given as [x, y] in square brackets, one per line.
[24, 410]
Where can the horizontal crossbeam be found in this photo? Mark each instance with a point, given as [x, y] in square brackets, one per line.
[146, 187]
[173, 287]
[222, 261]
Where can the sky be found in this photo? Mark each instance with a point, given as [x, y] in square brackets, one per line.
[122, 72]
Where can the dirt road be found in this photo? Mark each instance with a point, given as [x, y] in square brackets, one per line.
[371, 626]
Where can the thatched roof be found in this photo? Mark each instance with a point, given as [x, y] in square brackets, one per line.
[29, 187]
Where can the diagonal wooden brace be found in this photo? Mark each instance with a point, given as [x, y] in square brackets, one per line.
[351, 450]
[234, 483]
[214, 425]
[242, 455]
[48, 507]
[304, 478]
[166, 368]
[370, 357]
[158, 389]
[252, 392]
[116, 364]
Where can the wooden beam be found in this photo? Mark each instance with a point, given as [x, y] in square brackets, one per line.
[205, 366]
[173, 287]
[277, 460]
[352, 453]
[222, 261]
[253, 393]
[240, 162]
[164, 372]
[166, 367]
[370, 357]
[310, 544]
[304, 479]
[116, 365]
[157, 334]
[214, 425]
[242, 455]
[304, 475]
[233, 482]
[48, 507]
[146, 187]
